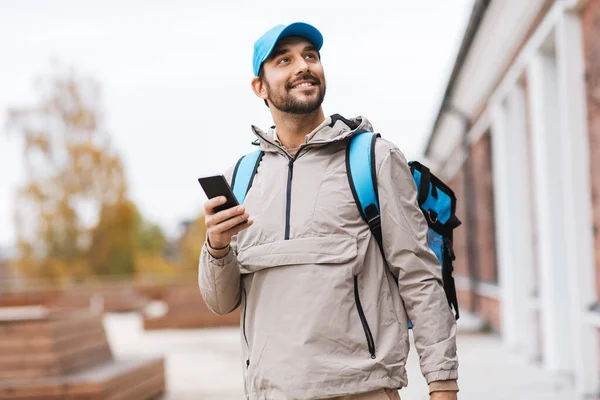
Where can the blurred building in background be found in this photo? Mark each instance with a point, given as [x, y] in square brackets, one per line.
[517, 137]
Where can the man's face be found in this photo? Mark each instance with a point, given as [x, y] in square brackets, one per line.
[293, 76]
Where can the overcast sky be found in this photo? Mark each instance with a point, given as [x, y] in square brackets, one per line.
[175, 79]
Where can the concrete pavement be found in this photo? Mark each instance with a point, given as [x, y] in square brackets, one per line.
[205, 364]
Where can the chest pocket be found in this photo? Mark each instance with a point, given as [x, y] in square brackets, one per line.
[326, 250]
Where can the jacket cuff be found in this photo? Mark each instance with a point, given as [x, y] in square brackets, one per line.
[441, 375]
[449, 385]
[217, 256]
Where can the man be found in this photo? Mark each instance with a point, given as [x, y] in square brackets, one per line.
[322, 316]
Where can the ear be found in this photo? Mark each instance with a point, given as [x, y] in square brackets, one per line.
[259, 88]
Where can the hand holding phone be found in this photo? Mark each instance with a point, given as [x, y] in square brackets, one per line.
[224, 217]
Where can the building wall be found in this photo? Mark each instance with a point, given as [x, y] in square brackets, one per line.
[481, 153]
[540, 289]
[461, 266]
[482, 234]
[460, 234]
[465, 298]
[490, 310]
[590, 19]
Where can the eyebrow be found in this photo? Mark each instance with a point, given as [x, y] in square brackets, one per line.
[283, 50]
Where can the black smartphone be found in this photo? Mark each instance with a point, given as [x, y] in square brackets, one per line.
[215, 186]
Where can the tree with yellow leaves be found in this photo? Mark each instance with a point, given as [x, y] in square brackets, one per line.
[73, 177]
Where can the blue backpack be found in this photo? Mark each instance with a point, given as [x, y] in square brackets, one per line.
[436, 200]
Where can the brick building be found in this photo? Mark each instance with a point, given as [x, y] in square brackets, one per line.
[518, 138]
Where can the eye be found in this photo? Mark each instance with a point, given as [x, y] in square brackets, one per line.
[310, 55]
[283, 60]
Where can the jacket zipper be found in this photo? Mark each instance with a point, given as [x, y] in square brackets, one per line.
[363, 319]
[244, 329]
[288, 202]
[288, 205]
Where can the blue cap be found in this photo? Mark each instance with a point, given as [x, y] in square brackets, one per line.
[265, 44]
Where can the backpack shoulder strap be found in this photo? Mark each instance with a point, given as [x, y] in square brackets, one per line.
[361, 171]
[440, 204]
[243, 174]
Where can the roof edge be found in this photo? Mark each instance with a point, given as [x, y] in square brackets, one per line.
[479, 10]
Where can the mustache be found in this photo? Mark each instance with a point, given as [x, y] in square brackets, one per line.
[307, 76]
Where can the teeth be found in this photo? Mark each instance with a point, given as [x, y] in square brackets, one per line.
[305, 84]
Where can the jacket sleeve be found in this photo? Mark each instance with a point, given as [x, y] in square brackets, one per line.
[405, 244]
[219, 278]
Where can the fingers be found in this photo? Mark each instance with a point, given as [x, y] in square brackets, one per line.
[213, 218]
[240, 228]
[209, 206]
[229, 213]
[230, 223]
[221, 234]
[225, 215]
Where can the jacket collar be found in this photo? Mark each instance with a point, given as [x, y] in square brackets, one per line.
[333, 129]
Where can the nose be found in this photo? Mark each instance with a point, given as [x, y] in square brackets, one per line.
[301, 66]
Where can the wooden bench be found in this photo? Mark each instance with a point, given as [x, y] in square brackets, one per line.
[28, 298]
[187, 310]
[105, 298]
[114, 297]
[59, 355]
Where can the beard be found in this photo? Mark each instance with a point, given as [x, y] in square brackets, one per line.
[298, 103]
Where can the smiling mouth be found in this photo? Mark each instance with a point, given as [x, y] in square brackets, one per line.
[303, 85]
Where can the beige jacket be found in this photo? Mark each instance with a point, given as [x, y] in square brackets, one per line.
[321, 314]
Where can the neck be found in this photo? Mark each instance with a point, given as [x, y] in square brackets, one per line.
[293, 128]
